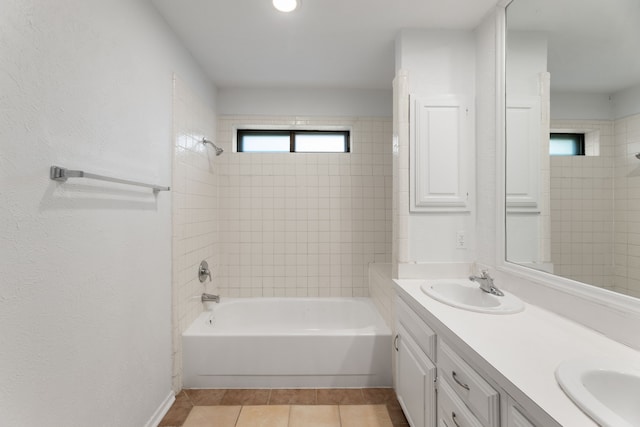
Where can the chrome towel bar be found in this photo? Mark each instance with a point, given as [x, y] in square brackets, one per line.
[57, 173]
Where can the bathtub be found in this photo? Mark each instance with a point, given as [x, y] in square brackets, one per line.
[287, 343]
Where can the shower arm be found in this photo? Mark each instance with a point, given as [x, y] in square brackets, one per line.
[215, 147]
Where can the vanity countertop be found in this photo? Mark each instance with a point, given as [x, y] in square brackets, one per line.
[522, 349]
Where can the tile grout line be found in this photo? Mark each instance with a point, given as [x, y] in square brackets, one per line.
[237, 416]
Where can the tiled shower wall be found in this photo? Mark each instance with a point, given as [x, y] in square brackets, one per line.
[595, 200]
[627, 206]
[304, 224]
[582, 208]
[194, 192]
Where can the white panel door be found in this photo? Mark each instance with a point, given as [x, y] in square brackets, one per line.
[415, 382]
[441, 153]
[523, 147]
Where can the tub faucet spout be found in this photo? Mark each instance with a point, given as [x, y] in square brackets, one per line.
[209, 297]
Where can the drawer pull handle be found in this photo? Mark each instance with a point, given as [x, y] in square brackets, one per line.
[453, 418]
[395, 341]
[461, 384]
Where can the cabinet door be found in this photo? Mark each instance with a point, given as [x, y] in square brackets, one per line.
[523, 155]
[415, 382]
[440, 151]
[515, 418]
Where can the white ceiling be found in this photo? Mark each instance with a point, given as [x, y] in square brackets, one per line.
[594, 45]
[324, 44]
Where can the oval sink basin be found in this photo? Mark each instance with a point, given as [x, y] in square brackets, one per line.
[467, 295]
[607, 391]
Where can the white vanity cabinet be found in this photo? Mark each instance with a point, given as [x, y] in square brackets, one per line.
[415, 370]
[436, 386]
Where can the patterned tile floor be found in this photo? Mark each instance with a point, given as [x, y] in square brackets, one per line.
[367, 407]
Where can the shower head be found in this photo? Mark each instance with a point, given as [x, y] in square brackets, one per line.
[218, 149]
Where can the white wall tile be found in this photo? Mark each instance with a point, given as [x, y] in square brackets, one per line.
[310, 213]
[582, 206]
[195, 212]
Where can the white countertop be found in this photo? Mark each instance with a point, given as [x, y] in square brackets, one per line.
[525, 348]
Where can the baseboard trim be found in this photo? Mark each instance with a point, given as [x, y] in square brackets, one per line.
[161, 411]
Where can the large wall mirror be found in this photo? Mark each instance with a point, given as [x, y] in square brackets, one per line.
[573, 138]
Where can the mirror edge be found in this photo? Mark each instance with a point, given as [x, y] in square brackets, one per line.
[616, 301]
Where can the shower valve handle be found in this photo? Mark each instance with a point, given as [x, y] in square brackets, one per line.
[203, 272]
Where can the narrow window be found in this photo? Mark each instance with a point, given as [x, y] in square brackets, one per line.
[293, 141]
[256, 141]
[566, 144]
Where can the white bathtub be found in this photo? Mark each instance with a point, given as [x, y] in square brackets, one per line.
[287, 343]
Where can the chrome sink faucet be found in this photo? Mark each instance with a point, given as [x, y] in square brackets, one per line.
[486, 283]
[209, 297]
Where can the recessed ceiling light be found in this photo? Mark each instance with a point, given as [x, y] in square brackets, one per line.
[285, 5]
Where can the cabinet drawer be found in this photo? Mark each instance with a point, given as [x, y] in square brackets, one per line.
[422, 334]
[452, 412]
[480, 397]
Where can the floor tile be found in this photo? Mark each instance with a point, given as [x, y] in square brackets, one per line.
[178, 411]
[340, 396]
[264, 416]
[212, 416]
[364, 416]
[246, 397]
[314, 416]
[293, 397]
[205, 397]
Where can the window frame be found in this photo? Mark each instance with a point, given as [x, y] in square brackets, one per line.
[242, 130]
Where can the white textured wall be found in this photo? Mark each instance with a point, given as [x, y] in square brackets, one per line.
[85, 266]
[305, 102]
[439, 62]
[627, 206]
[580, 106]
[626, 102]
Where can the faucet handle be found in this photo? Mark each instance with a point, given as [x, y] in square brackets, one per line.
[484, 275]
[203, 271]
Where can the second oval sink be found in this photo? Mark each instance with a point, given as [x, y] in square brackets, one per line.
[605, 390]
[467, 295]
